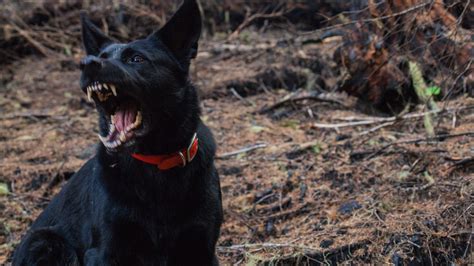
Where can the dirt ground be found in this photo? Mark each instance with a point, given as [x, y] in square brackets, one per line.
[313, 186]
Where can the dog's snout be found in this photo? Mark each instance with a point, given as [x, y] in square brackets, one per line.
[91, 62]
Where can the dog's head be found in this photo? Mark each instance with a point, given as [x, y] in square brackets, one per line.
[138, 85]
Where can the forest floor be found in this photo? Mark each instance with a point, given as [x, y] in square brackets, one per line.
[313, 186]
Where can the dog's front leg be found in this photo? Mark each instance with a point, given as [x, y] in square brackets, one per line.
[195, 246]
[45, 246]
[123, 242]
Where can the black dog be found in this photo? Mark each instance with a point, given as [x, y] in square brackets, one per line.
[151, 195]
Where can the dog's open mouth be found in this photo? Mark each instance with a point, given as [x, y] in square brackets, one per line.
[123, 114]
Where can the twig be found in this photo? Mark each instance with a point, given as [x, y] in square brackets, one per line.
[265, 245]
[250, 19]
[408, 10]
[468, 245]
[43, 50]
[243, 150]
[462, 162]
[376, 128]
[450, 91]
[437, 137]
[310, 253]
[241, 48]
[236, 94]
[375, 120]
[30, 115]
[299, 96]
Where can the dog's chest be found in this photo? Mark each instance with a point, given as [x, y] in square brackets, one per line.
[151, 231]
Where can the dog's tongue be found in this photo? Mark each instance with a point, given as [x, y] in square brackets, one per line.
[124, 116]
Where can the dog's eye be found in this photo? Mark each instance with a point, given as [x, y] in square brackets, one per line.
[136, 59]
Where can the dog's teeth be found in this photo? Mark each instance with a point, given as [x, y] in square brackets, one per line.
[99, 86]
[103, 139]
[105, 86]
[122, 136]
[89, 94]
[114, 90]
[111, 128]
[117, 143]
[138, 119]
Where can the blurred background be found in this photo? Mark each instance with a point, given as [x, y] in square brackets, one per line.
[345, 128]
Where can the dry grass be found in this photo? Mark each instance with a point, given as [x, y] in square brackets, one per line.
[382, 192]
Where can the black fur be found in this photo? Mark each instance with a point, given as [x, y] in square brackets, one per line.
[117, 210]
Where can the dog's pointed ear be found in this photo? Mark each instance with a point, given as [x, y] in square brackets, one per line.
[181, 33]
[92, 37]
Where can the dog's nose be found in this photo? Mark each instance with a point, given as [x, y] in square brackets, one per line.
[91, 62]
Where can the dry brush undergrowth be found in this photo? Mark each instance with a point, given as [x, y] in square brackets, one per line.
[327, 152]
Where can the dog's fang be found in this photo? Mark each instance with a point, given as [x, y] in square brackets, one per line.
[103, 139]
[89, 94]
[105, 86]
[99, 86]
[138, 120]
[114, 90]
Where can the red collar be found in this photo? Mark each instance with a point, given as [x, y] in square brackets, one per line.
[168, 161]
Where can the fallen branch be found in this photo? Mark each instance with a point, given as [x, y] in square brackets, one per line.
[243, 150]
[434, 138]
[37, 45]
[312, 95]
[310, 253]
[386, 124]
[32, 115]
[376, 120]
[265, 245]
